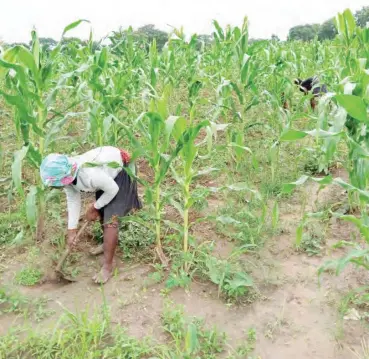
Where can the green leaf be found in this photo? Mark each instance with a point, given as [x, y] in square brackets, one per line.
[17, 169]
[91, 164]
[26, 58]
[355, 256]
[355, 106]
[242, 186]
[18, 239]
[194, 89]
[244, 148]
[103, 58]
[245, 67]
[155, 126]
[73, 25]
[292, 135]
[349, 187]
[219, 29]
[34, 156]
[299, 233]
[31, 207]
[108, 120]
[21, 106]
[359, 223]
[324, 134]
[114, 164]
[240, 280]
[289, 187]
[238, 92]
[349, 22]
[227, 220]
[191, 341]
[323, 181]
[179, 128]
[36, 48]
[170, 122]
[169, 127]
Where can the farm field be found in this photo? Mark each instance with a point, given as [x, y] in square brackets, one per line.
[253, 237]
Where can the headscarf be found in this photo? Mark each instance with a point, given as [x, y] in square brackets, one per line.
[58, 170]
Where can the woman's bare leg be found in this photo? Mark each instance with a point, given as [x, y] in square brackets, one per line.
[110, 244]
[100, 248]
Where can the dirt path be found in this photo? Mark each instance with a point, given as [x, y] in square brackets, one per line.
[294, 317]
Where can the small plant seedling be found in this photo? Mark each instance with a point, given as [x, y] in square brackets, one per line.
[28, 276]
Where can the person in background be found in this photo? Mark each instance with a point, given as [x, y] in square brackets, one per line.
[313, 86]
[115, 192]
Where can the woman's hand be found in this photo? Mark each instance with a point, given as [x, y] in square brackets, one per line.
[71, 240]
[92, 214]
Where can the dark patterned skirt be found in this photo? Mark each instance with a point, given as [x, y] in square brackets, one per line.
[124, 202]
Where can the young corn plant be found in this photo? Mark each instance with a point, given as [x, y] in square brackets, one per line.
[34, 81]
[345, 122]
[186, 134]
[156, 148]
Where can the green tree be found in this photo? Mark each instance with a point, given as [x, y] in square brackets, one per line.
[362, 16]
[150, 33]
[275, 38]
[48, 42]
[303, 32]
[327, 30]
[205, 38]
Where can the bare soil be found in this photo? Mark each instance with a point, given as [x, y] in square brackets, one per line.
[294, 316]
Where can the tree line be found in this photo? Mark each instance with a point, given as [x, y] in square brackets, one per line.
[327, 30]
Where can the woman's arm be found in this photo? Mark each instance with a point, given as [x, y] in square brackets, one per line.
[74, 206]
[106, 184]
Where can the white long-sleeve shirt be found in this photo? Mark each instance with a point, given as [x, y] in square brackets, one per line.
[93, 179]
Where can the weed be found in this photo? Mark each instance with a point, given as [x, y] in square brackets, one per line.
[92, 336]
[16, 303]
[274, 327]
[40, 311]
[178, 277]
[28, 276]
[157, 276]
[312, 244]
[247, 348]
[134, 238]
[244, 223]
[11, 229]
[311, 233]
[13, 302]
[190, 337]
[229, 274]
[357, 298]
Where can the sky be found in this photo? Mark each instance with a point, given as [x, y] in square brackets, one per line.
[266, 17]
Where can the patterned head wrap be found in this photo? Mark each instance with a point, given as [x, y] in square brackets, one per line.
[58, 170]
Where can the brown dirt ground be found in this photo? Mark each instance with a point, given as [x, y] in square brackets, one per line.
[294, 316]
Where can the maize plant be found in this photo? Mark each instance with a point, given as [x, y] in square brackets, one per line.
[155, 147]
[343, 116]
[33, 84]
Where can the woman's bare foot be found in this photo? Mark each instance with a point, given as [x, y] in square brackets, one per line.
[103, 276]
[97, 250]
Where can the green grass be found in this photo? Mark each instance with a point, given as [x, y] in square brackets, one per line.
[28, 276]
[242, 101]
[87, 335]
[12, 228]
[13, 302]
